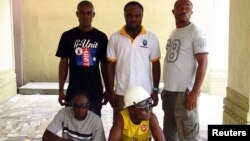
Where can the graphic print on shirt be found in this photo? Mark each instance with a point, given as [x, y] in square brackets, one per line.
[85, 51]
[69, 134]
[173, 49]
[144, 128]
[202, 42]
[144, 43]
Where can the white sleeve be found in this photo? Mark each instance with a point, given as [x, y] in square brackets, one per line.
[200, 43]
[98, 133]
[155, 49]
[111, 48]
[56, 123]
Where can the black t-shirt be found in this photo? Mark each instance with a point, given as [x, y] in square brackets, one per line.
[85, 50]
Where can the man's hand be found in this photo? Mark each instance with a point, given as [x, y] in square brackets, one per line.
[113, 99]
[105, 98]
[61, 99]
[191, 100]
[154, 96]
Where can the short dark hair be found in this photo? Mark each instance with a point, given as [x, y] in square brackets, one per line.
[80, 92]
[132, 3]
[83, 3]
[177, 2]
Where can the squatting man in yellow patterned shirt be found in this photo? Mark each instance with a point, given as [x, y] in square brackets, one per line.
[136, 121]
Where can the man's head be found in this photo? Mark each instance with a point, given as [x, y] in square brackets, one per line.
[85, 13]
[80, 104]
[139, 103]
[133, 13]
[183, 9]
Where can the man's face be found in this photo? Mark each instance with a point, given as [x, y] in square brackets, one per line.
[143, 109]
[85, 15]
[80, 107]
[133, 16]
[183, 11]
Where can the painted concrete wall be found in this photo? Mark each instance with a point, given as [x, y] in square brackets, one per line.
[7, 72]
[237, 102]
[239, 50]
[18, 39]
[44, 21]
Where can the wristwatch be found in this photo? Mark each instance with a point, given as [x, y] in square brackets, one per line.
[155, 90]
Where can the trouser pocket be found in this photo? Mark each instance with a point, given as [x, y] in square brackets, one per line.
[191, 129]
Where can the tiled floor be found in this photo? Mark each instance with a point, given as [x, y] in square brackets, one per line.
[25, 117]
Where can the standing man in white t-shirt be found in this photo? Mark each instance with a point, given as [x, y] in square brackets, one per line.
[184, 70]
[133, 55]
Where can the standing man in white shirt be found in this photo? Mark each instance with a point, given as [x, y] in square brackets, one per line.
[133, 55]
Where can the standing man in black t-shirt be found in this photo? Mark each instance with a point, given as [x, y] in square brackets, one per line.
[81, 50]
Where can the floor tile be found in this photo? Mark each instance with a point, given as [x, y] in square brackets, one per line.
[25, 117]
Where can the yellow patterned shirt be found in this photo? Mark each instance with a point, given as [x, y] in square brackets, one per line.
[134, 132]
